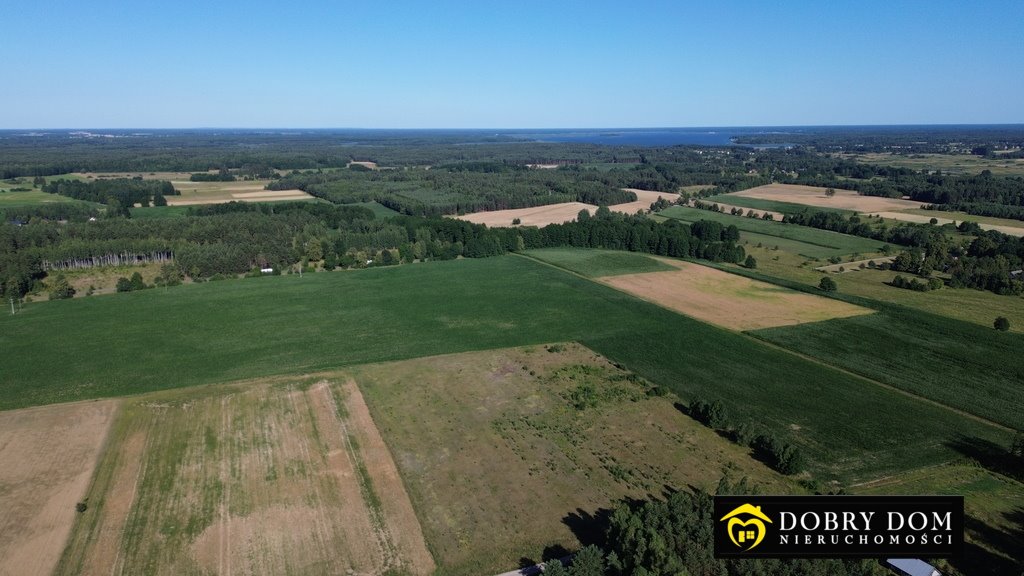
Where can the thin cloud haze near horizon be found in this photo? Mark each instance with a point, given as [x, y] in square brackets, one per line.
[528, 65]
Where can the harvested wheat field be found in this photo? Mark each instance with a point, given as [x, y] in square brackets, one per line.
[285, 476]
[536, 216]
[644, 199]
[47, 459]
[813, 196]
[729, 300]
[564, 212]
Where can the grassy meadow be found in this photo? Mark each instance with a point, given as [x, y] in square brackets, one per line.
[556, 430]
[772, 205]
[828, 243]
[125, 344]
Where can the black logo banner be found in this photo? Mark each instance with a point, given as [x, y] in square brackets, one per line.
[838, 526]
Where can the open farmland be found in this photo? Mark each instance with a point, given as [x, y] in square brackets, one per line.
[595, 263]
[761, 204]
[535, 216]
[910, 350]
[47, 458]
[508, 452]
[196, 193]
[821, 243]
[945, 218]
[563, 212]
[757, 212]
[993, 504]
[813, 196]
[288, 325]
[948, 163]
[728, 300]
[280, 477]
[978, 307]
[19, 199]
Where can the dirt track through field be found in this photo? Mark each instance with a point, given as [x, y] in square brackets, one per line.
[729, 300]
[47, 459]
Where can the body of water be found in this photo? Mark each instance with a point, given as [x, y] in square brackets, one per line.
[640, 137]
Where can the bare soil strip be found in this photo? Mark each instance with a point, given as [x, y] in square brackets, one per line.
[729, 300]
[814, 196]
[403, 526]
[47, 459]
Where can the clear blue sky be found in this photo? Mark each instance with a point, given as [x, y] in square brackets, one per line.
[441, 64]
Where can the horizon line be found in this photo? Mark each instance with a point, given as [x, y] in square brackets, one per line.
[506, 129]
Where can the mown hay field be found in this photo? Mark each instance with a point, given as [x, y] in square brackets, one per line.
[287, 476]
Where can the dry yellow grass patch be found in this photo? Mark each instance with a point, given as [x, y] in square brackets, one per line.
[47, 459]
[729, 300]
[813, 196]
[536, 216]
[644, 199]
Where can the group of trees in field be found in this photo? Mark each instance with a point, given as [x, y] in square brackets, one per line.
[766, 447]
[119, 194]
[674, 535]
[990, 261]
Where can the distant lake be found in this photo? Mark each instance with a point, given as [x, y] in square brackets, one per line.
[639, 137]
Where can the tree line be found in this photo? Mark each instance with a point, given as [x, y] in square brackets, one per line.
[234, 238]
[990, 261]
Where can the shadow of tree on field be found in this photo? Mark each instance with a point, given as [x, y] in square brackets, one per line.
[589, 528]
[990, 455]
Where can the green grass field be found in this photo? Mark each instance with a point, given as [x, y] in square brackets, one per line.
[159, 212]
[948, 163]
[993, 505]
[753, 239]
[773, 205]
[378, 209]
[598, 263]
[976, 306]
[217, 332]
[830, 243]
[10, 199]
[975, 369]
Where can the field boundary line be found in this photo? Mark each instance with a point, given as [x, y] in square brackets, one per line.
[791, 352]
